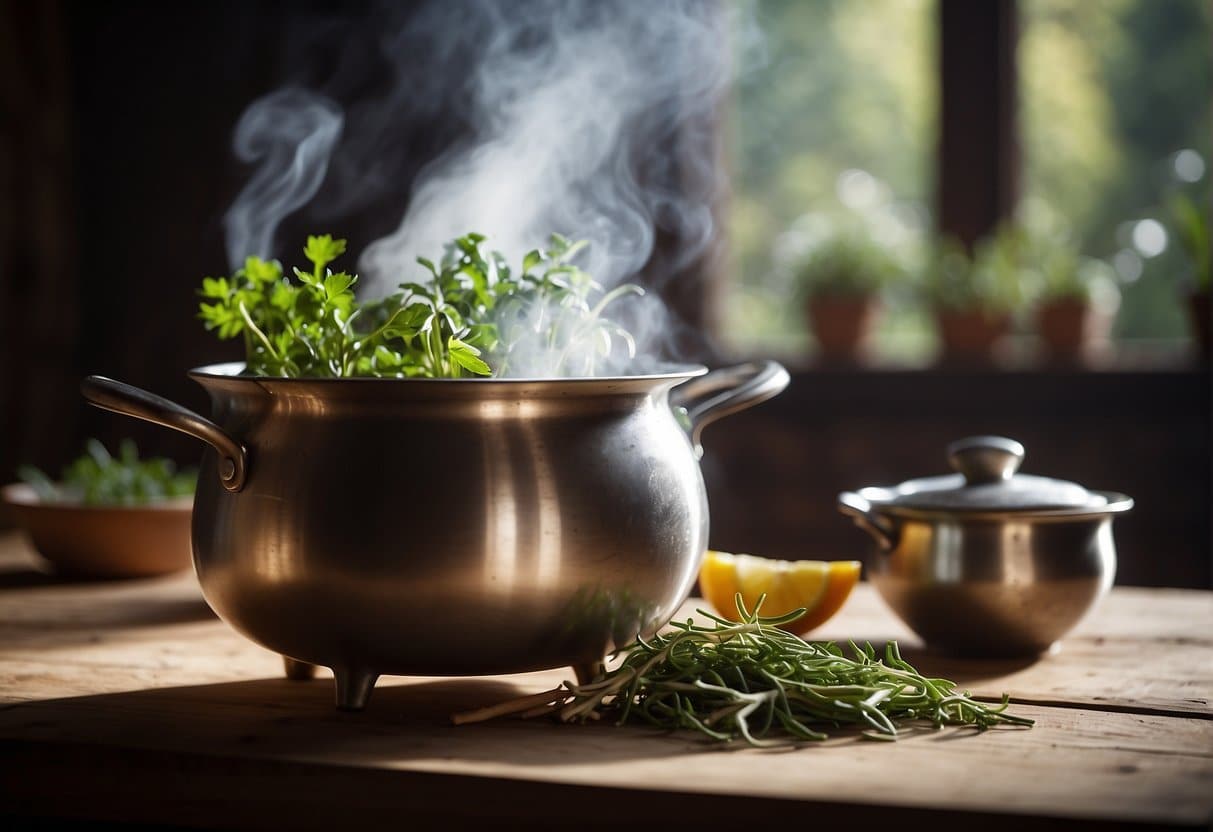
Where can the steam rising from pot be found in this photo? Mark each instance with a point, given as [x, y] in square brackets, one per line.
[592, 118]
[290, 134]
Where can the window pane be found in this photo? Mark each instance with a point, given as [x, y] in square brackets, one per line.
[1116, 118]
[839, 111]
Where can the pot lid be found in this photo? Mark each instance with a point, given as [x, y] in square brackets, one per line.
[987, 479]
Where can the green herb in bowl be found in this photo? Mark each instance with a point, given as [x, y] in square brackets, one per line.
[100, 478]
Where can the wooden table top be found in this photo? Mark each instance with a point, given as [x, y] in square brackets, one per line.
[128, 701]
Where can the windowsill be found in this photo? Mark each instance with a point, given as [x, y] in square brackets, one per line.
[1016, 354]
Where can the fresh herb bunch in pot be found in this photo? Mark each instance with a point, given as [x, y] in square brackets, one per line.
[472, 315]
[108, 515]
[839, 281]
[973, 296]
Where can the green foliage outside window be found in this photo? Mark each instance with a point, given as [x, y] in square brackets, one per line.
[1114, 95]
[841, 88]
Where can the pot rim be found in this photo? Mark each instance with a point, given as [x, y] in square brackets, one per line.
[231, 371]
[1117, 503]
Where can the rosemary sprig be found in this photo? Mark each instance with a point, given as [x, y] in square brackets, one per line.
[755, 682]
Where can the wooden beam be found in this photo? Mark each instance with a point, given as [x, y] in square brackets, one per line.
[978, 161]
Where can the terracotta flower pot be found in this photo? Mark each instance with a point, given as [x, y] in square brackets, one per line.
[969, 335]
[843, 324]
[1074, 328]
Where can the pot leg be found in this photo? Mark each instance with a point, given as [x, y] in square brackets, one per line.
[354, 687]
[298, 671]
[587, 672]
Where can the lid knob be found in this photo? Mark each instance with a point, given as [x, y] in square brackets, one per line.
[985, 458]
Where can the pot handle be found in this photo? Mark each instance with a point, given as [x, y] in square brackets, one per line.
[132, 401]
[860, 510]
[727, 391]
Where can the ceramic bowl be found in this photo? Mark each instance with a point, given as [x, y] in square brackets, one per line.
[104, 541]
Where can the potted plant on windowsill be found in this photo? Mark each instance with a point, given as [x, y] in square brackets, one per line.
[1191, 225]
[839, 281]
[974, 297]
[1077, 300]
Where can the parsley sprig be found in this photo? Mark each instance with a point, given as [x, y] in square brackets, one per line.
[289, 329]
[474, 316]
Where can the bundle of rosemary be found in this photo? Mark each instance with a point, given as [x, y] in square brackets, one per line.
[753, 681]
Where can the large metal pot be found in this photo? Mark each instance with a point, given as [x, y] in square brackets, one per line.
[987, 561]
[448, 527]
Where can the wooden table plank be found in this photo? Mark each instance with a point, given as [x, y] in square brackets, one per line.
[1133, 653]
[1154, 769]
[138, 677]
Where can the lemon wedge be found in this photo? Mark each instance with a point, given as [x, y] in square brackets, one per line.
[820, 586]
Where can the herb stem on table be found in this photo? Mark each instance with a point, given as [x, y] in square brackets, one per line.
[755, 682]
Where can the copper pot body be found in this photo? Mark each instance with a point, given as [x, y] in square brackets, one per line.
[448, 527]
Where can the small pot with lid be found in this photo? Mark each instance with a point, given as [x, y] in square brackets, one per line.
[988, 561]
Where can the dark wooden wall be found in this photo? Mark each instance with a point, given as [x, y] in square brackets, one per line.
[40, 309]
[117, 170]
[977, 167]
